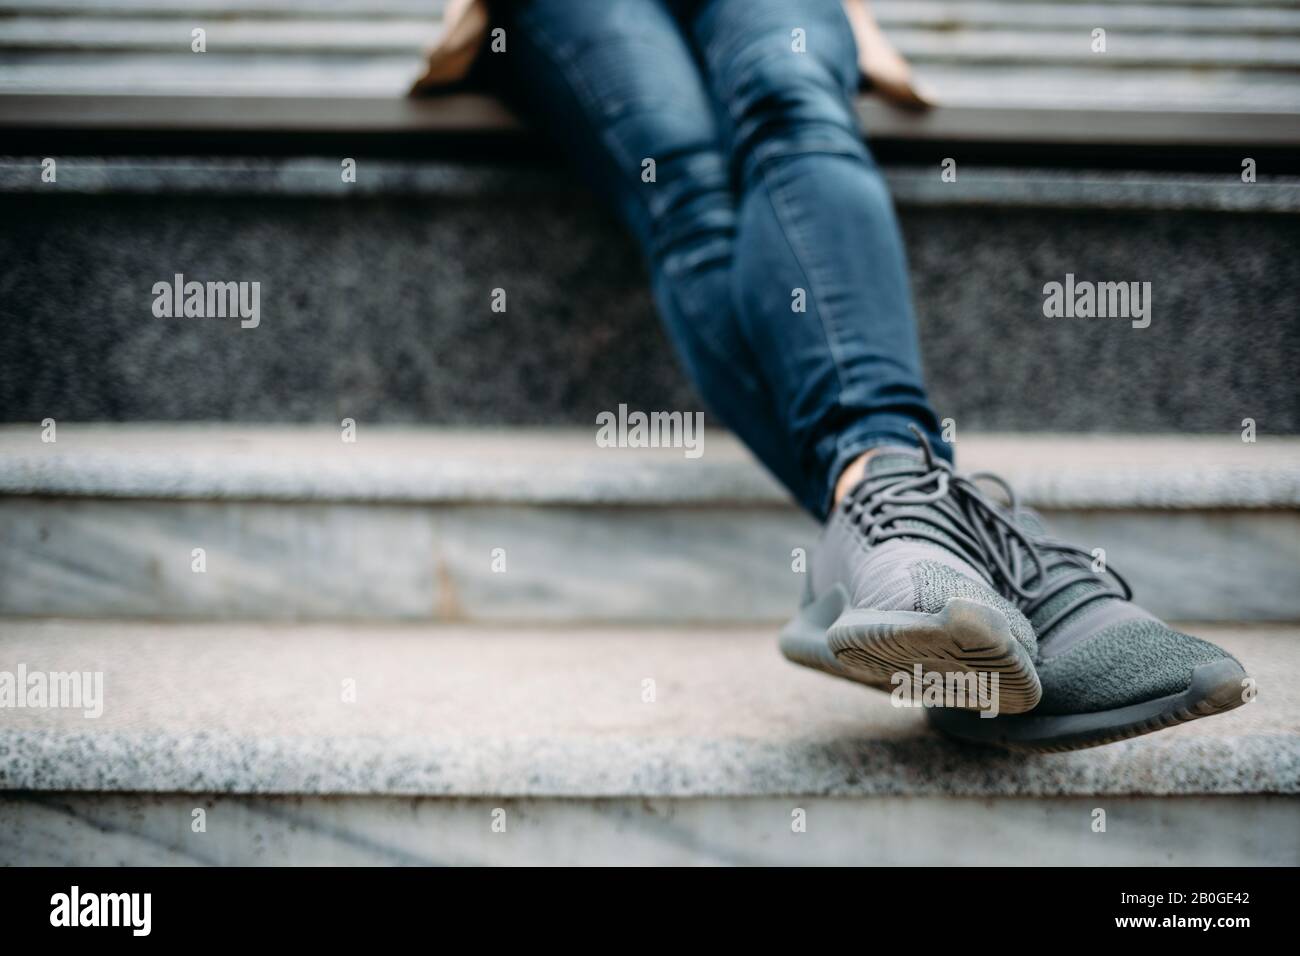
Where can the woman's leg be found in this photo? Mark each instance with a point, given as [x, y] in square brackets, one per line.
[615, 83]
[816, 230]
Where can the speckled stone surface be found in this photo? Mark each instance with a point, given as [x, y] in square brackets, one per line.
[910, 185]
[376, 303]
[459, 712]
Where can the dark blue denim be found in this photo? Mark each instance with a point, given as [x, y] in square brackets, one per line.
[764, 200]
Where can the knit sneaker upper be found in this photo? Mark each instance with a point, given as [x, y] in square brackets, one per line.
[1098, 650]
[901, 541]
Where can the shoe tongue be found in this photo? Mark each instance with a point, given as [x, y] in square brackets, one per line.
[1030, 521]
[1062, 627]
[894, 458]
[903, 459]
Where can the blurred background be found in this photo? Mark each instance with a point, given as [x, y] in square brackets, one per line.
[360, 650]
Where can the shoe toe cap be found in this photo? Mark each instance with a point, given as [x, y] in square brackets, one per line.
[1127, 663]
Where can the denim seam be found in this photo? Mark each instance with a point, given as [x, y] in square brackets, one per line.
[750, 383]
[855, 74]
[712, 52]
[552, 50]
[777, 200]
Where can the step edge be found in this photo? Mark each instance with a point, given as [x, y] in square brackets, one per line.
[1261, 763]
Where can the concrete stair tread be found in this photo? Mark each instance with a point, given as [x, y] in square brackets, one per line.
[465, 711]
[565, 466]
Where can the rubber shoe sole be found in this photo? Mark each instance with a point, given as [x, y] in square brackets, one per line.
[1216, 688]
[871, 647]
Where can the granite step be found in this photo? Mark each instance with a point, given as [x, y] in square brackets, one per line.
[401, 743]
[564, 712]
[543, 526]
[376, 296]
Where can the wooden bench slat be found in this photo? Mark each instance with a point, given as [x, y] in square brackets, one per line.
[1159, 16]
[888, 11]
[231, 36]
[343, 76]
[35, 34]
[365, 9]
[214, 74]
[1144, 15]
[974, 46]
[1096, 87]
[475, 113]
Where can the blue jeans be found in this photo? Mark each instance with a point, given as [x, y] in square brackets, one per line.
[775, 258]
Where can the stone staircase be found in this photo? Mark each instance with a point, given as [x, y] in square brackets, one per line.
[402, 524]
[472, 636]
[608, 745]
[348, 679]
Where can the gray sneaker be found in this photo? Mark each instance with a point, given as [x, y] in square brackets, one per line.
[899, 580]
[1109, 669]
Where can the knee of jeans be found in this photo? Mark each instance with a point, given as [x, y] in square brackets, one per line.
[691, 209]
[790, 103]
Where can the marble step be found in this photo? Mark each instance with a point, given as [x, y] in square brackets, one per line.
[543, 526]
[233, 743]
[150, 829]
[587, 712]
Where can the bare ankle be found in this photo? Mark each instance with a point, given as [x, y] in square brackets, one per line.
[853, 473]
